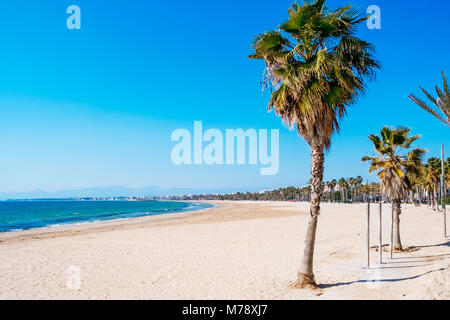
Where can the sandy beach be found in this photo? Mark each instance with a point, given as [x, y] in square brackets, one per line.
[238, 250]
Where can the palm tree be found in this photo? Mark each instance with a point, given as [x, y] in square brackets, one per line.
[317, 67]
[358, 182]
[417, 181]
[442, 102]
[374, 189]
[328, 189]
[351, 183]
[443, 105]
[393, 167]
[333, 186]
[447, 170]
[342, 183]
[432, 173]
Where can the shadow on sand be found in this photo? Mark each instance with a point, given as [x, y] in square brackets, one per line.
[416, 259]
[445, 244]
[325, 286]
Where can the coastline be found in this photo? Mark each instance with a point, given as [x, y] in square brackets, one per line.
[250, 250]
[218, 213]
[68, 229]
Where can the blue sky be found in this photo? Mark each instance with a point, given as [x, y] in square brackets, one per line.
[97, 106]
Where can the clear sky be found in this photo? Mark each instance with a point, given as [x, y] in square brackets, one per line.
[97, 106]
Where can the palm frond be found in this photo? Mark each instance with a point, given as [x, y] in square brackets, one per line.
[442, 102]
[430, 110]
[315, 73]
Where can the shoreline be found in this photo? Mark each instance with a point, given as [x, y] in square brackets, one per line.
[237, 250]
[186, 217]
[97, 219]
[93, 226]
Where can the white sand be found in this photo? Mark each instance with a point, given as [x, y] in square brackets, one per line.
[241, 250]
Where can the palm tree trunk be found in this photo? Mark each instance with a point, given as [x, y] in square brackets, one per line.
[419, 197]
[435, 199]
[429, 197]
[306, 275]
[397, 212]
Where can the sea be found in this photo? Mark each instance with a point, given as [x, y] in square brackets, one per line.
[21, 215]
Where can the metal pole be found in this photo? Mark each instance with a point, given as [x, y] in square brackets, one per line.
[380, 226]
[392, 228]
[368, 236]
[443, 191]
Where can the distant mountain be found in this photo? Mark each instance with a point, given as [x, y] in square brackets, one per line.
[118, 191]
[35, 194]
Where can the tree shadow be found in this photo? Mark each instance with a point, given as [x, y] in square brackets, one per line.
[414, 261]
[418, 257]
[384, 266]
[338, 284]
[445, 244]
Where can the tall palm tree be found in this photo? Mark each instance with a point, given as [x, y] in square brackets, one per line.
[358, 182]
[443, 105]
[374, 189]
[417, 181]
[351, 183]
[393, 166]
[447, 170]
[442, 102]
[328, 189]
[333, 186]
[432, 174]
[342, 183]
[317, 67]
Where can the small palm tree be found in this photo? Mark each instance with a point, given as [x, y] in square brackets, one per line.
[317, 67]
[393, 167]
[442, 102]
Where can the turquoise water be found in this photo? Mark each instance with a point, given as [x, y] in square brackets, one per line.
[23, 215]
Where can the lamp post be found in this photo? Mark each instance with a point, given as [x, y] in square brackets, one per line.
[392, 228]
[443, 191]
[368, 236]
[380, 227]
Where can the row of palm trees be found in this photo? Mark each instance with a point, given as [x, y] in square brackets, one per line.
[400, 169]
[402, 172]
[316, 67]
[426, 183]
[347, 189]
